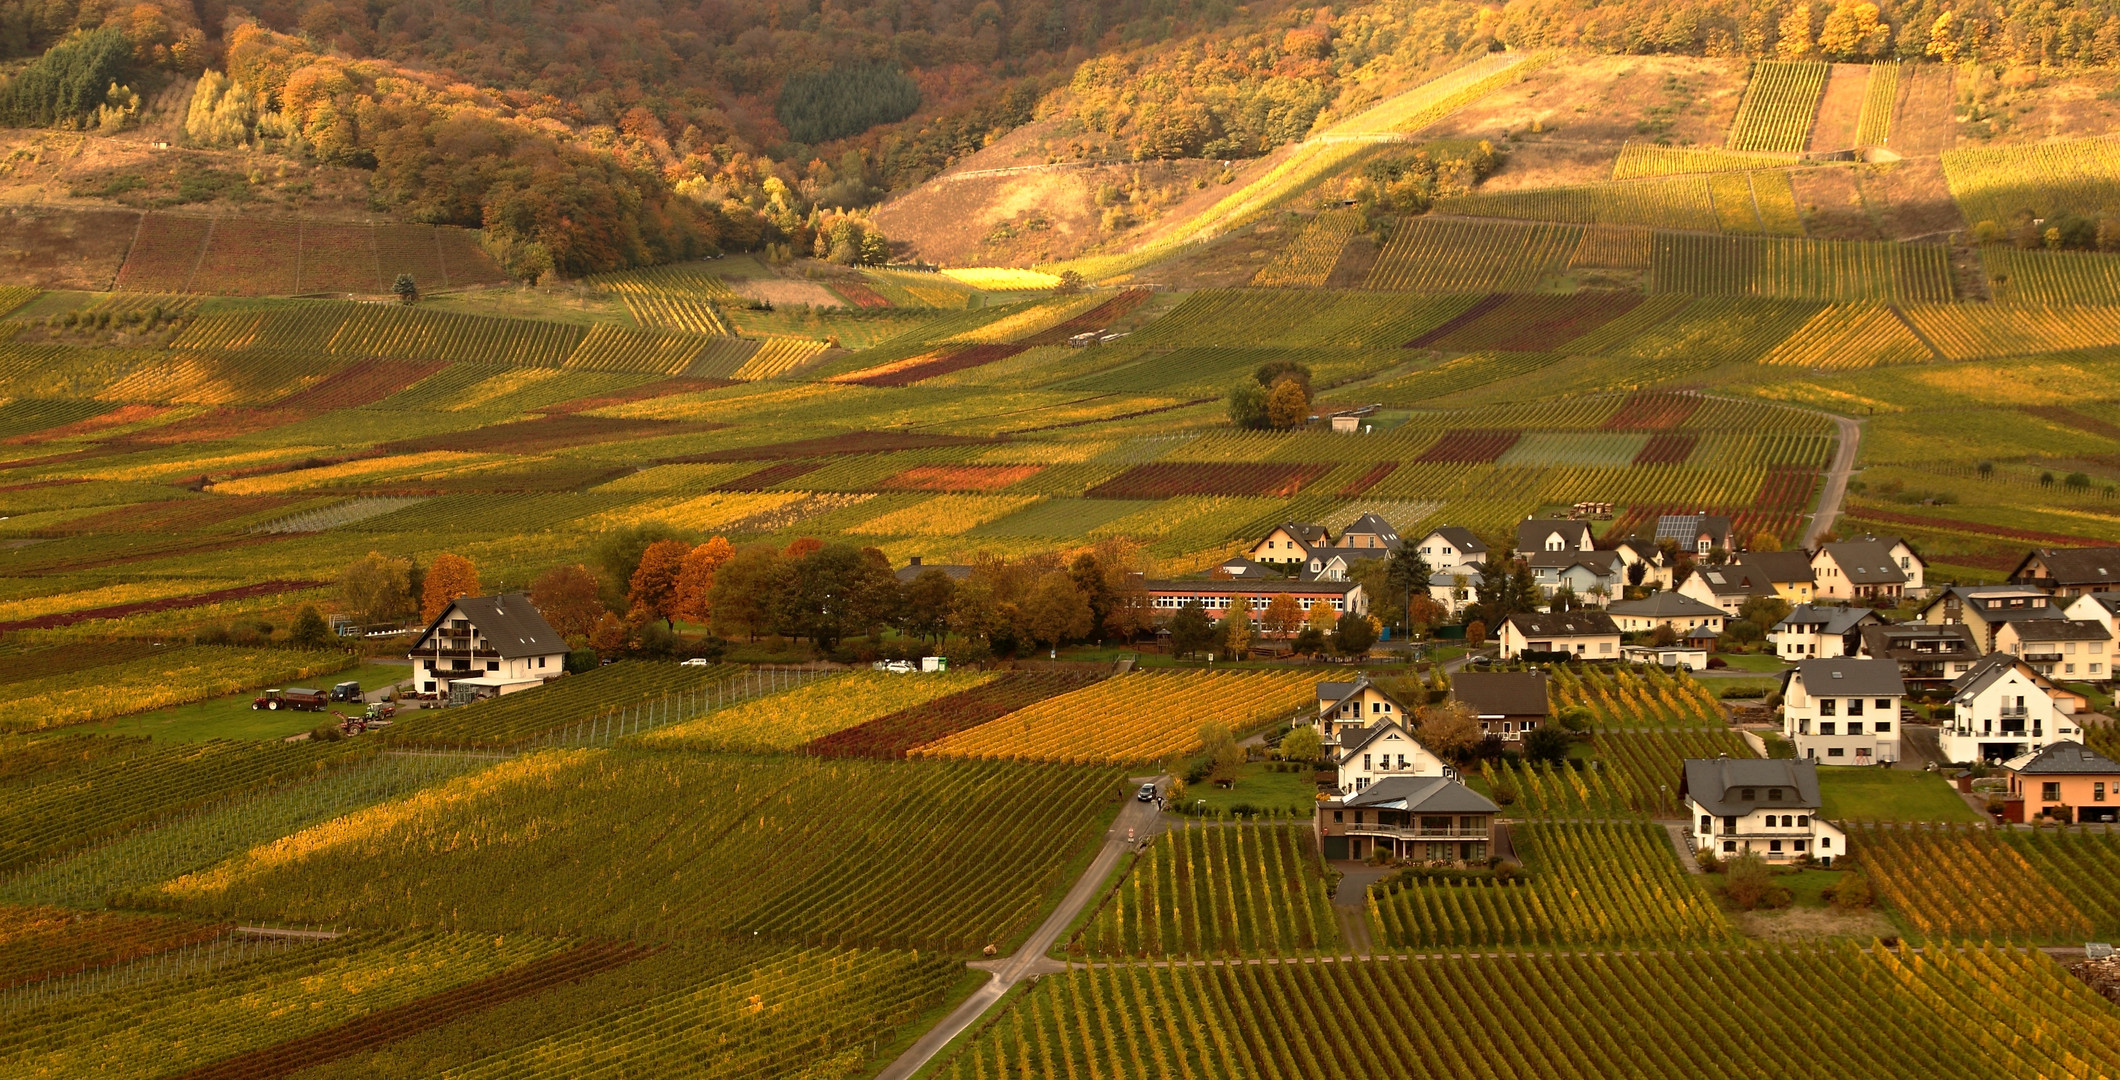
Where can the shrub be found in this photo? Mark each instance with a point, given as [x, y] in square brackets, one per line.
[328, 731]
[1749, 885]
[1851, 893]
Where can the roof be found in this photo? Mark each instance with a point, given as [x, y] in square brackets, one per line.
[1734, 579]
[511, 624]
[1866, 562]
[1209, 587]
[1702, 633]
[1665, 605]
[2060, 630]
[1461, 538]
[1563, 624]
[1686, 528]
[2110, 601]
[1850, 677]
[1335, 694]
[1531, 533]
[1718, 784]
[1829, 620]
[1355, 739]
[1501, 693]
[1987, 671]
[1241, 567]
[1895, 641]
[1449, 579]
[1602, 563]
[1645, 550]
[2075, 566]
[1422, 794]
[1307, 535]
[2063, 759]
[1778, 566]
[1370, 523]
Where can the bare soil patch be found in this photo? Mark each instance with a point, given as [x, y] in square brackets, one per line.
[1924, 123]
[1612, 99]
[1535, 162]
[1812, 924]
[784, 291]
[55, 248]
[1840, 109]
[1228, 261]
[1040, 212]
[1832, 204]
[1911, 199]
[1357, 259]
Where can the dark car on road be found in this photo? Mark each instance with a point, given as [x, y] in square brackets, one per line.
[1146, 794]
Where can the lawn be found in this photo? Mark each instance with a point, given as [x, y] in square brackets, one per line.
[1763, 663]
[232, 717]
[1873, 794]
[1256, 786]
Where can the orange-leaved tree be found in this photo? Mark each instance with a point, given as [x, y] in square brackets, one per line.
[695, 580]
[653, 589]
[567, 597]
[451, 577]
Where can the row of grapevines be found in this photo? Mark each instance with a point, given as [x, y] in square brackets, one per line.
[1217, 890]
[1965, 881]
[1147, 716]
[1779, 106]
[1628, 773]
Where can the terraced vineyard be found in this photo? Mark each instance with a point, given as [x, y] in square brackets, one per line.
[1217, 891]
[1779, 106]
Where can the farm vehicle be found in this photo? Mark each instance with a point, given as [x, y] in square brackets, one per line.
[298, 698]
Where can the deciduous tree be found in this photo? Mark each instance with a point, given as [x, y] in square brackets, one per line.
[694, 602]
[651, 590]
[376, 588]
[450, 577]
[567, 597]
[741, 597]
[1448, 729]
[1283, 616]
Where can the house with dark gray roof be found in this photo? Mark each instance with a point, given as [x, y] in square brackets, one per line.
[1593, 577]
[2002, 709]
[1455, 589]
[2067, 781]
[2059, 648]
[1586, 635]
[1857, 570]
[1928, 656]
[1843, 712]
[1697, 533]
[1788, 571]
[1369, 531]
[1451, 546]
[1290, 543]
[1986, 608]
[1675, 610]
[1820, 633]
[482, 646]
[1387, 748]
[2069, 572]
[1727, 586]
[1433, 819]
[1507, 703]
[1758, 806]
[916, 566]
[1552, 534]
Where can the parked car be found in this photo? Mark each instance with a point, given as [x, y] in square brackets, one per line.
[697, 661]
[346, 691]
[297, 697]
[1146, 794]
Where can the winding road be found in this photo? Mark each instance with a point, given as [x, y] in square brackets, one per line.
[1030, 960]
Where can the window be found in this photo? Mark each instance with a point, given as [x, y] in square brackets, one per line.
[1402, 761]
[1835, 751]
[1828, 727]
[1358, 817]
[1774, 845]
[1730, 824]
[493, 665]
[1854, 708]
[430, 665]
[1798, 845]
[2050, 791]
[1707, 824]
[1828, 707]
[1365, 763]
[1774, 794]
[1825, 842]
[540, 661]
[1803, 821]
[1749, 794]
[2098, 791]
[1854, 727]
[1882, 727]
[1339, 815]
[1729, 846]
[1884, 704]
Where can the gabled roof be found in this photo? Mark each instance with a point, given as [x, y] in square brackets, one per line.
[1829, 620]
[1373, 525]
[1332, 695]
[1718, 784]
[1501, 693]
[1354, 739]
[1240, 568]
[1460, 538]
[1667, 604]
[1734, 579]
[1645, 550]
[2063, 759]
[1601, 563]
[1422, 794]
[1866, 562]
[1778, 567]
[510, 623]
[1563, 624]
[1307, 535]
[2110, 601]
[2073, 566]
[1850, 677]
[1988, 670]
[2060, 630]
[1531, 533]
[1448, 579]
[1687, 528]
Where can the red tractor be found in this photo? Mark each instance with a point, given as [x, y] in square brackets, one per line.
[299, 698]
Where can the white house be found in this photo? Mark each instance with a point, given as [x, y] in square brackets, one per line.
[1454, 589]
[1820, 633]
[2102, 608]
[1675, 610]
[1727, 586]
[1843, 712]
[1337, 564]
[1590, 635]
[1553, 534]
[1655, 568]
[1356, 705]
[1367, 755]
[2003, 709]
[488, 645]
[1594, 577]
[1928, 655]
[1452, 547]
[1759, 806]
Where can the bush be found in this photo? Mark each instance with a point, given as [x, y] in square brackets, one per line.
[1749, 885]
[1852, 893]
[328, 731]
[581, 660]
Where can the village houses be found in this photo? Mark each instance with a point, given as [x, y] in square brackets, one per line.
[1859, 570]
[1434, 819]
[1451, 548]
[2003, 709]
[1821, 633]
[1508, 704]
[1676, 610]
[1534, 535]
[482, 646]
[1844, 711]
[2069, 572]
[2065, 781]
[1588, 635]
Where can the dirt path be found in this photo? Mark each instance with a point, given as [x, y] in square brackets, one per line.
[1677, 831]
[1836, 486]
[1029, 961]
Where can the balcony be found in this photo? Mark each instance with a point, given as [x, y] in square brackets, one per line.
[1415, 832]
[2042, 658]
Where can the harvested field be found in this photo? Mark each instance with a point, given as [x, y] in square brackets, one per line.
[1534, 323]
[250, 256]
[1466, 446]
[959, 477]
[52, 248]
[1667, 449]
[1652, 411]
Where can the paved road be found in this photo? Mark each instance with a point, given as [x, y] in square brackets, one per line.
[1836, 488]
[1030, 960]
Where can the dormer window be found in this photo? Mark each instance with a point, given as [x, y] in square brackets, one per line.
[1774, 794]
[1749, 794]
